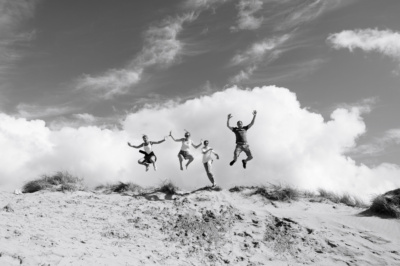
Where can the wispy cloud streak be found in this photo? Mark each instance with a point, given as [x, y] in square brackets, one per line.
[12, 15]
[264, 51]
[162, 48]
[247, 19]
[379, 145]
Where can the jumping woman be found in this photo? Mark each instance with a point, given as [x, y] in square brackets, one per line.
[184, 153]
[149, 156]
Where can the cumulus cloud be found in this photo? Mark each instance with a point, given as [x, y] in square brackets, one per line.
[246, 16]
[386, 42]
[289, 144]
[161, 48]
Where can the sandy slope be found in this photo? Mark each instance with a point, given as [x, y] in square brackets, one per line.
[201, 228]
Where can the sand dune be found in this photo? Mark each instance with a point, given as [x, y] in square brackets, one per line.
[201, 228]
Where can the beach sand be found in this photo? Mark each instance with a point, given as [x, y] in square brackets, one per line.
[203, 227]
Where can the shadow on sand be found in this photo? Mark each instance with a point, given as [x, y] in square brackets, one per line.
[156, 194]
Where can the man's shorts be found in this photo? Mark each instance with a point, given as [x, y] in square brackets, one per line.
[242, 147]
[185, 154]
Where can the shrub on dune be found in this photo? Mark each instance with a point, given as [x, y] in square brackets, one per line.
[35, 185]
[60, 181]
[387, 204]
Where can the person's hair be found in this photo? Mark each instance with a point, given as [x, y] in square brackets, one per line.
[144, 135]
[204, 142]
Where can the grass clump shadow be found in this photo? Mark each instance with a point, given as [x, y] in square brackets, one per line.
[120, 188]
[60, 181]
[386, 205]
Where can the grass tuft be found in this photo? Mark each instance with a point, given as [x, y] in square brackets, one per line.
[168, 187]
[342, 198]
[278, 192]
[387, 204]
[60, 181]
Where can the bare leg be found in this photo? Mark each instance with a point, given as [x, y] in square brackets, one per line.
[180, 161]
[142, 162]
[190, 160]
[153, 161]
[210, 176]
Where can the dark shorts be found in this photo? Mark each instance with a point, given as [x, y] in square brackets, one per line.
[147, 157]
[185, 154]
[242, 147]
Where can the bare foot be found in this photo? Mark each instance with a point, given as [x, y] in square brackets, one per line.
[155, 167]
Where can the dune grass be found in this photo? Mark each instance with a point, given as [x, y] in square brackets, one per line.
[278, 192]
[168, 187]
[271, 191]
[387, 204]
[60, 181]
[344, 198]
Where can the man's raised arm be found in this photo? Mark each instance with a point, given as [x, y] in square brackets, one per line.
[252, 121]
[227, 122]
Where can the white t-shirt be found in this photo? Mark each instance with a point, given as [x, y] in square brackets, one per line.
[147, 148]
[207, 156]
[186, 145]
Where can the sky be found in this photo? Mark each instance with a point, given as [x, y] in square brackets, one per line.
[81, 78]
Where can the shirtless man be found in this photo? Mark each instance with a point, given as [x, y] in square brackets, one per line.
[149, 156]
[241, 139]
[184, 153]
[207, 161]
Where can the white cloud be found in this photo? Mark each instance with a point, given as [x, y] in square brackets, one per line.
[161, 48]
[289, 144]
[246, 16]
[386, 42]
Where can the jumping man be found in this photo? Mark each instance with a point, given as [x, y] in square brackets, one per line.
[149, 156]
[184, 153]
[241, 139]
